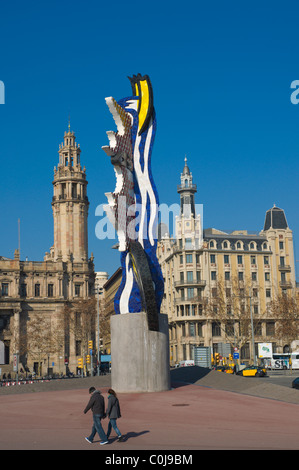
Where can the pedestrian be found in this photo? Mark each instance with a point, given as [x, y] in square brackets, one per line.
[113, 413]
[97, 405]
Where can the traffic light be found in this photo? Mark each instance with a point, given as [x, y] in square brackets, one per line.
[88, 359]
[80, 362]
[90, 345]
[217, 358]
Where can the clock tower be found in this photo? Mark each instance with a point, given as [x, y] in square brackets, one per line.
[70, 203]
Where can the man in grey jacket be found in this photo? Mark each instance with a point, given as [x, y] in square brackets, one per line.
[97, 405]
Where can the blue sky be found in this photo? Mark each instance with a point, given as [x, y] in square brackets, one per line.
[221, 74]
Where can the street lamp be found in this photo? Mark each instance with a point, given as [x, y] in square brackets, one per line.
[98, 328]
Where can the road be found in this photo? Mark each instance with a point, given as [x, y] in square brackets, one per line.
[281, 377]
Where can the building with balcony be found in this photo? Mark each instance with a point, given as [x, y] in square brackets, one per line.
[197, 261]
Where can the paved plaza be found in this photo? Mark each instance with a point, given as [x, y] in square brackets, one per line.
[200, 414]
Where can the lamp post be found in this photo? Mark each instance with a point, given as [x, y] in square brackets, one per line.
[98, 328]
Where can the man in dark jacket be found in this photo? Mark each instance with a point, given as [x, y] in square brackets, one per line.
[97, 405]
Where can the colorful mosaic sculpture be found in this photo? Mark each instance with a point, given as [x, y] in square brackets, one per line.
[133, 206]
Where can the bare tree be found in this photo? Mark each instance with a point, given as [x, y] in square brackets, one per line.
[284, 309]
[230, 305]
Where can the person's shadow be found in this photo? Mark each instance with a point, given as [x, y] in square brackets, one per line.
[126, 437]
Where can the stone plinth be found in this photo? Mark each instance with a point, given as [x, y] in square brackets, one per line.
[139, 357]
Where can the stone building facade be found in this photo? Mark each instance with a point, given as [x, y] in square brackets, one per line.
[36, 291]
[196, 260]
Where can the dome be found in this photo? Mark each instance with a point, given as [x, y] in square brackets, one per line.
[186, 170]
[275, 218]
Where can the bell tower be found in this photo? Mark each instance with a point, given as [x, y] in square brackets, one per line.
[70, 203]
[186, 191]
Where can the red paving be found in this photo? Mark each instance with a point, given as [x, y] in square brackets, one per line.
[186, 418]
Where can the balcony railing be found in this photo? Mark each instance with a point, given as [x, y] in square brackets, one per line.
[190, 283]
[286, 284]
[284, 267]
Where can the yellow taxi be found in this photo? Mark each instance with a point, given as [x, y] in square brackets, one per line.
[226, 369]
[252, 371]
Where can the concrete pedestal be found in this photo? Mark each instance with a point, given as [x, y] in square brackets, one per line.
[139, 357]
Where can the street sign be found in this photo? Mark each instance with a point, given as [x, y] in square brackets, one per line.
[236, 355]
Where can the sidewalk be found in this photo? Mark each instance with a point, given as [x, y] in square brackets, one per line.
[185, 418]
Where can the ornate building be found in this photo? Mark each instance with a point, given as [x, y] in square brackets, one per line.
[34, 293]
[196, 261]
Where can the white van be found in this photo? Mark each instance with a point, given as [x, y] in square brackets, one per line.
[186, 363]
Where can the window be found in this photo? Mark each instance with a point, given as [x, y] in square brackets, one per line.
[226, 259]
[189, 258]
[224, 244]
[256, 309]
[188, 243]
[268, 293]
[182, 276]
[37, 290]
[281, 245]
[255, 292]
[212, 259]
[229, 329]
[23, 290]
[266, 260]
[192, 329]
[4, 290]
[181, 259]
[227, 275]
[190, 276]
[240, 275]
[211, 244]
[198, 275]
[238, 245]
[265, 246]
[267, 276]
[214, 292]
[281, 262]
[270, 328]
[197, 259]
[77, 290]
[254, 276]
[78, 348]
[190, 292]
[240, 259]
[213, 275]
[252, 246]
[253, 259]
[50, 290]
[216, 330]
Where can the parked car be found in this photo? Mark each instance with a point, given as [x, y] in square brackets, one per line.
[226, 369]
[295, 383]
[252, 371]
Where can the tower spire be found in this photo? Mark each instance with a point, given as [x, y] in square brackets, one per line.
[70, 203]
[187, 190]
